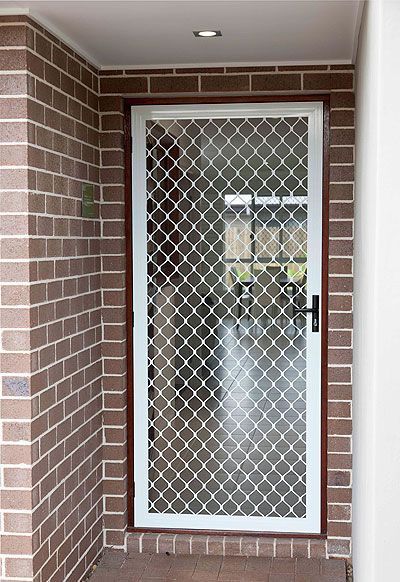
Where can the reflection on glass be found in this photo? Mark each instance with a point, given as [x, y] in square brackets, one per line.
[227, 259]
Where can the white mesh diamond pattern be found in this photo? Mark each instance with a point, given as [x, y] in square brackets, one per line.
[227, 257]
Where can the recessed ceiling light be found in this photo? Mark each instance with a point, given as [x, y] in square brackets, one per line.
[207, 33]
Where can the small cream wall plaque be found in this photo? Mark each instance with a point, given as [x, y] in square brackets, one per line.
[88, 209]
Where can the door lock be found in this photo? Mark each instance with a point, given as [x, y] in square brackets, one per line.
[314, 310]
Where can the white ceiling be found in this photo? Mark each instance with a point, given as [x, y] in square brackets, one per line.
[137, 33]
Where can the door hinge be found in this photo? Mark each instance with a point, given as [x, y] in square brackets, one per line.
[131, 493]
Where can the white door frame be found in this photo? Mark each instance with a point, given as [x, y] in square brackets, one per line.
[311, 524]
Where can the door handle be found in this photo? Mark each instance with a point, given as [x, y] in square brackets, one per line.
[314, 310]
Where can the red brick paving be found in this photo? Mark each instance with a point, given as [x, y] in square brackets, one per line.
[119, 567]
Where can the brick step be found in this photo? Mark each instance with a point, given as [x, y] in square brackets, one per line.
[206, 568]
[227, 545]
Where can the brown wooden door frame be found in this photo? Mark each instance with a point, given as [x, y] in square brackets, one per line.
[128, 104]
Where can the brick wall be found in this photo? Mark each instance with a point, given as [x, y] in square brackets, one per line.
[336, 80]
[16, 354]
[51, 364]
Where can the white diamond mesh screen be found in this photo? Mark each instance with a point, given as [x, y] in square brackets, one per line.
[227, 258]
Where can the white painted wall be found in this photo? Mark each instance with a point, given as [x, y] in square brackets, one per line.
[376, 519]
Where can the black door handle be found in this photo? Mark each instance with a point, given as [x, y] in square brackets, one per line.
[314, 310]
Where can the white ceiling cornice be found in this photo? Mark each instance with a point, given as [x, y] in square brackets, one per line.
[227, 64]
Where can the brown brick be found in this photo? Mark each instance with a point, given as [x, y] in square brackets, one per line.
[11, 131]
[339, 444]
[44, 93]
[340, 528]
[114, 538]
[16, 431]
[300, 550]
[323, 81]
[133, 542]
[342, 118]
[43, 46]
[13, 36]
[16, 499]
[341, 191]
[265, 548]
[140, 72]
[250, 69]
[341, 248]
[339, 495]
[59, 58]
[342, 174]
[303, 68]
[342, 136]
[317, 549]
[174, 84]
[52, 75]
[339, 512]
[17, 523]
[149, 542]
[340, 356]
[13, 108]
[16, 454]
[11, 60]
[12, 155]
[345, 99]
[248, 546]
[340, 265]
[341, 409]
[341, 229]
[199, 544]
[123, 85]
[341, 211]
[73, 68]
[340, 303]
[271, 82]
[338, 392]
[15, 386]
[342, 67]
[339, 426]
[339, 478]
[112, 103]
[182, 544]
[35, 64]
[16, 340]
[223, 83]
[215, 545]
[339, 461]
[17, 477]
[341, 285]
[67, 84]
[341, 155]
[339, 374]
[114, 121]
[115, 72]
[198, 70]
[283, 550]
[232, 546]
[19, 567]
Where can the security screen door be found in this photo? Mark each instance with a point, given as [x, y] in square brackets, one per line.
[227, 235]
